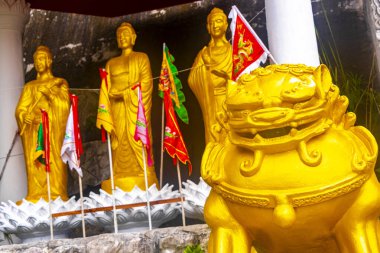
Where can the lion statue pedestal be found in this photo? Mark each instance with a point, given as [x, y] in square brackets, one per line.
[295, 174]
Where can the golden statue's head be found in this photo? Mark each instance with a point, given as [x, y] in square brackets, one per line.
[42, 59]
[217, 23]
[126, 35]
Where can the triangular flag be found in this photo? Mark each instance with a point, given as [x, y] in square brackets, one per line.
[141, 130]
[104, 119]
[248, 51]
[42, 155]
[77, 135]
[169, 77]
[173, 140]
[69, 152]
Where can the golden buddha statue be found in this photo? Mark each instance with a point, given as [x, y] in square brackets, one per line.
[295, 174]
[210, 89]
[51, 94]
[124, 72]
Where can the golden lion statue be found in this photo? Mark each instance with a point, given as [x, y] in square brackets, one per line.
[294, 175]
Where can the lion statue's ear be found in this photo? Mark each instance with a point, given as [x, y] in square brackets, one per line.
[323, 80]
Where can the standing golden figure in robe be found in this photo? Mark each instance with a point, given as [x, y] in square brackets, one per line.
[209, 88]
[124, 72]
[51, 94]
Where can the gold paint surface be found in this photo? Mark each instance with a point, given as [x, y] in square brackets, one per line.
[124, 72]
[51, 94]
[294, 174]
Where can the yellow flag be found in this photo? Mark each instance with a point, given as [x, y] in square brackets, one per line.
[104, 118]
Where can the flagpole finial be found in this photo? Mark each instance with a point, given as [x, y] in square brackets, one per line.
[137, 85]
[103, 73]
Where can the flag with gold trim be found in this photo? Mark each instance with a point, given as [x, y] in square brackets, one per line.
[248, 51]
[104, 119]
[169, 78]
[173, 139]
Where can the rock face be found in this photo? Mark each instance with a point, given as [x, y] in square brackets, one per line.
[166, 240]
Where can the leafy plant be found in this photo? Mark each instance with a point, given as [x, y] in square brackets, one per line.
[359, 90]
[193, 249]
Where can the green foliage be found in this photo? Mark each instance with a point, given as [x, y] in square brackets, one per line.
[359, 90]
[193, 249]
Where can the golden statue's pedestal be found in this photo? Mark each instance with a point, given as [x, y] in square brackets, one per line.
[127, 183]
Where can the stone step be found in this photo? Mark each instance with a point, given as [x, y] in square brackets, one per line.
[163, 240]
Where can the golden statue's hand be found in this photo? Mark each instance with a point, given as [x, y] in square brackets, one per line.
[206, 57]
[116, 94]
[28, 119]
[56, 82]
[45, 90]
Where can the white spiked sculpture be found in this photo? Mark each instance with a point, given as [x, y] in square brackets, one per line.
[31, 221]
[136, 218]
[195, 198]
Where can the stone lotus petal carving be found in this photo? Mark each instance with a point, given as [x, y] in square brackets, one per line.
[195, 198]
[31, 220]
[135, 219]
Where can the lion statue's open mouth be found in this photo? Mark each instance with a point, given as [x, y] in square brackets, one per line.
[278, 105]
[281, 108]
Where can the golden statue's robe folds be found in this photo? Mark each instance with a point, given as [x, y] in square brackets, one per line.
[209, 88]
[124, 73]
[57, 103]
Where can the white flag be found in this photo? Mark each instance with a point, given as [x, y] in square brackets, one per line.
[68, 152]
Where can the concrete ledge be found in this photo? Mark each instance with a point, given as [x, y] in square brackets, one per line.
[163, 240]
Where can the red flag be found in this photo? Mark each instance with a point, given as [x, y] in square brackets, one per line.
[45, 125]
[248, 51]
[173, 141]
[77, 136]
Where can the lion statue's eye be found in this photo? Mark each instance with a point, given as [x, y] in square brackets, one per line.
[298, 90]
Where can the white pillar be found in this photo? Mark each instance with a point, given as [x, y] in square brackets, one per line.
[13, 16]
[291, 32]
[373, 18]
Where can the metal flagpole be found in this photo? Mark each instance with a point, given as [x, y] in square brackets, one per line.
[146, 189]
[162, 135]
[50, 211]
[180, 192]
[112, 184]
[162, 143]
[82, 208]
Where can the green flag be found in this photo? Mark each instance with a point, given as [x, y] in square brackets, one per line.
[40, 150]
[169, 80]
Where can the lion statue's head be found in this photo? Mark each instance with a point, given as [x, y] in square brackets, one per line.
[275, 108]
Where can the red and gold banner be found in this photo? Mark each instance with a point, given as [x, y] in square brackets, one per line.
[248, 51]
[173, 140]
